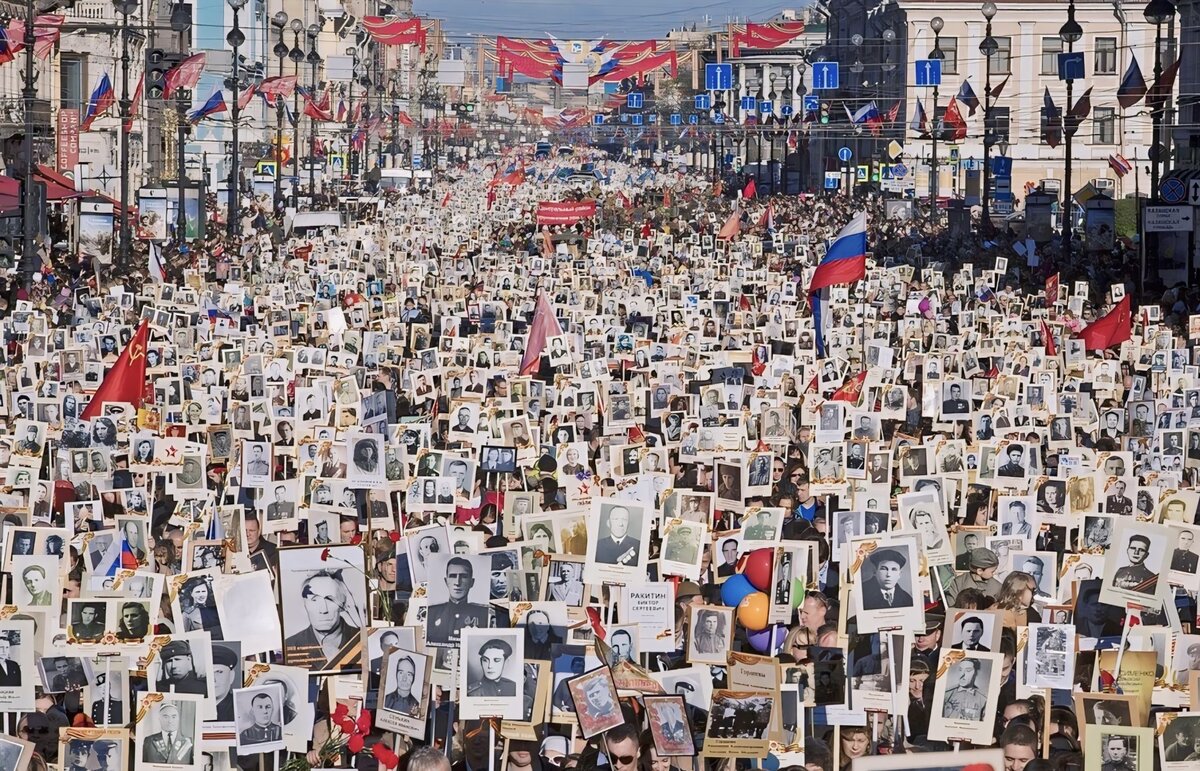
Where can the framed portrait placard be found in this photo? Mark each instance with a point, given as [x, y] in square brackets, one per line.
[739, 723]
[965, 695]
[404, 692]
[667, 717]
[885, 571]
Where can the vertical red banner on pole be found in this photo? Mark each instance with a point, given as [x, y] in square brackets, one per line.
[68, 141]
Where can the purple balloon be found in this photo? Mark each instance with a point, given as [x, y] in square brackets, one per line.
[768, 638]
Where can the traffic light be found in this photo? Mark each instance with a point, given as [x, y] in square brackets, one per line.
[824, 113]
[158, 64]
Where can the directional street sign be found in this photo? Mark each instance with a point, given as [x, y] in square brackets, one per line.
[786, 110]
[636, 120]
[812, 102]
[1194, 192]
[1169, 219]
[718, 77]
[703, 102]
[1001, 166]
[845, 154]
[1172, 190]
[598, 120]
[676, 119]
[766, 107]
[693, 119]
[833, 180]
[825, 76]
[1070, 66]
[634, 101]
[928, 73]
[749, 103]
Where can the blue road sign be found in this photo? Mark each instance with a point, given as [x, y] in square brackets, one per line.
[899, 171]
[1070, 66]
[598, 120]
[1172, 190]
[719, 118]
[718, 77]
[652, 118]
[928, 73]
[831, 182]
[845, 154]
[634, 101]
[749, 103]
[693, 119]
[766, 107]
[786, 110]
[676, 119]
[885, 172]
[636, 120]
[812, 103]
[1001, 166]
[703, 102]
[825, 76]
[624, 117]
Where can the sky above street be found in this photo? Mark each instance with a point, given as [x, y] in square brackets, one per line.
[589, 19]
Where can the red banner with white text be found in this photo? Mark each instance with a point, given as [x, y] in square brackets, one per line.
[564, 212]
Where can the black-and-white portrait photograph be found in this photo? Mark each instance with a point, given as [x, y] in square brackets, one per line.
[1050, 656]
[323, 590]
[972, 630]
[404, 689]
[617, 534]
[711, 635]
[458, 590]
[491, 678]
[18, 675]
[884, 570]
[259, 718]
[739, 715]
[965, 696]
[167, 735]
[1134, 564]
[365, 453]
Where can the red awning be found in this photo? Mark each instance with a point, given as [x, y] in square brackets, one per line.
[58, 187]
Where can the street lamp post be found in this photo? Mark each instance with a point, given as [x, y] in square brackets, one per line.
[279, 22]
[1070, 33]
[124, 8]
[936, 24]
[297, 56]
[1158, 13]
[181, 22]
[235, 38]
[988, 47]
[314, 60]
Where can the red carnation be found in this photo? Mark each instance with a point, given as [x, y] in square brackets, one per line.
[355, 743]
[395, 536]
[364, 721]
[325, 558]
[341, 710]
[357, 539]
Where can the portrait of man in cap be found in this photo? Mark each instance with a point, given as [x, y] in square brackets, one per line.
[884, 580]
[178, 670]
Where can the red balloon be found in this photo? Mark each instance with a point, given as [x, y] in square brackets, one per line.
[758, 567]
[753, 610]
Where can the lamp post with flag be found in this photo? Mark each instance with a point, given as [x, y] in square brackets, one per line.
[1070, 32]
[181, 22]
[235, 37]
[314, 60]
[279, 22]
[988, 47]
[124, 8]
[1158, 13]
[936, 24]
[297, 56]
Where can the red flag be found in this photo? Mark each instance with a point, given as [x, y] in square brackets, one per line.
[891, 115]
[1114, 328]
[244, 97]
[852, 390]
[767, 220]
[1048, 339]
[186, 74]
[283, 86]
[1163, 85]
[545, 325]
[732, 225]
[125, 382]
[955, 123]
[666, 198]
[134, 104]
[446, 200]
[750, 191]
[491, 198]
[997, 89]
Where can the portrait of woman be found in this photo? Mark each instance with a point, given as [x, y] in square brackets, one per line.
[198, 607]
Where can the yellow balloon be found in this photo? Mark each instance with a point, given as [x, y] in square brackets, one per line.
[752, 611]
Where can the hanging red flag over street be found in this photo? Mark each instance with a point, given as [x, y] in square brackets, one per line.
[125, 383]
[956, 125]
[1048, 339]
[544, 326]
[1114, 328]
[186, 74]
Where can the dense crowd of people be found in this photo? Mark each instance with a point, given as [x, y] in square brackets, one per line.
[449, 487]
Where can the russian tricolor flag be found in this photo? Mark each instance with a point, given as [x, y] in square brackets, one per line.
[844, 262]
[102, 98]
[214, 105]
[868, 114]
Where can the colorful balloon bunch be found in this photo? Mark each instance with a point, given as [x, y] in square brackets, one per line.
[746, 591]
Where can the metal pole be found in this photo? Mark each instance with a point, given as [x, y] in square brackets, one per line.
[180, 160]
[986, 220]
[296, 131]
[279, 137]
[29, 259]
[1156, 116]
[235, 168]
[933, 173]
[125, 109]
[1068, 214]
[312, 138]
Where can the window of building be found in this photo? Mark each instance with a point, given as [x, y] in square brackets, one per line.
[1051, 48]
[949, 46]
[70, 84]
[1001, 61]
[1104, 126]
[1106, 56]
